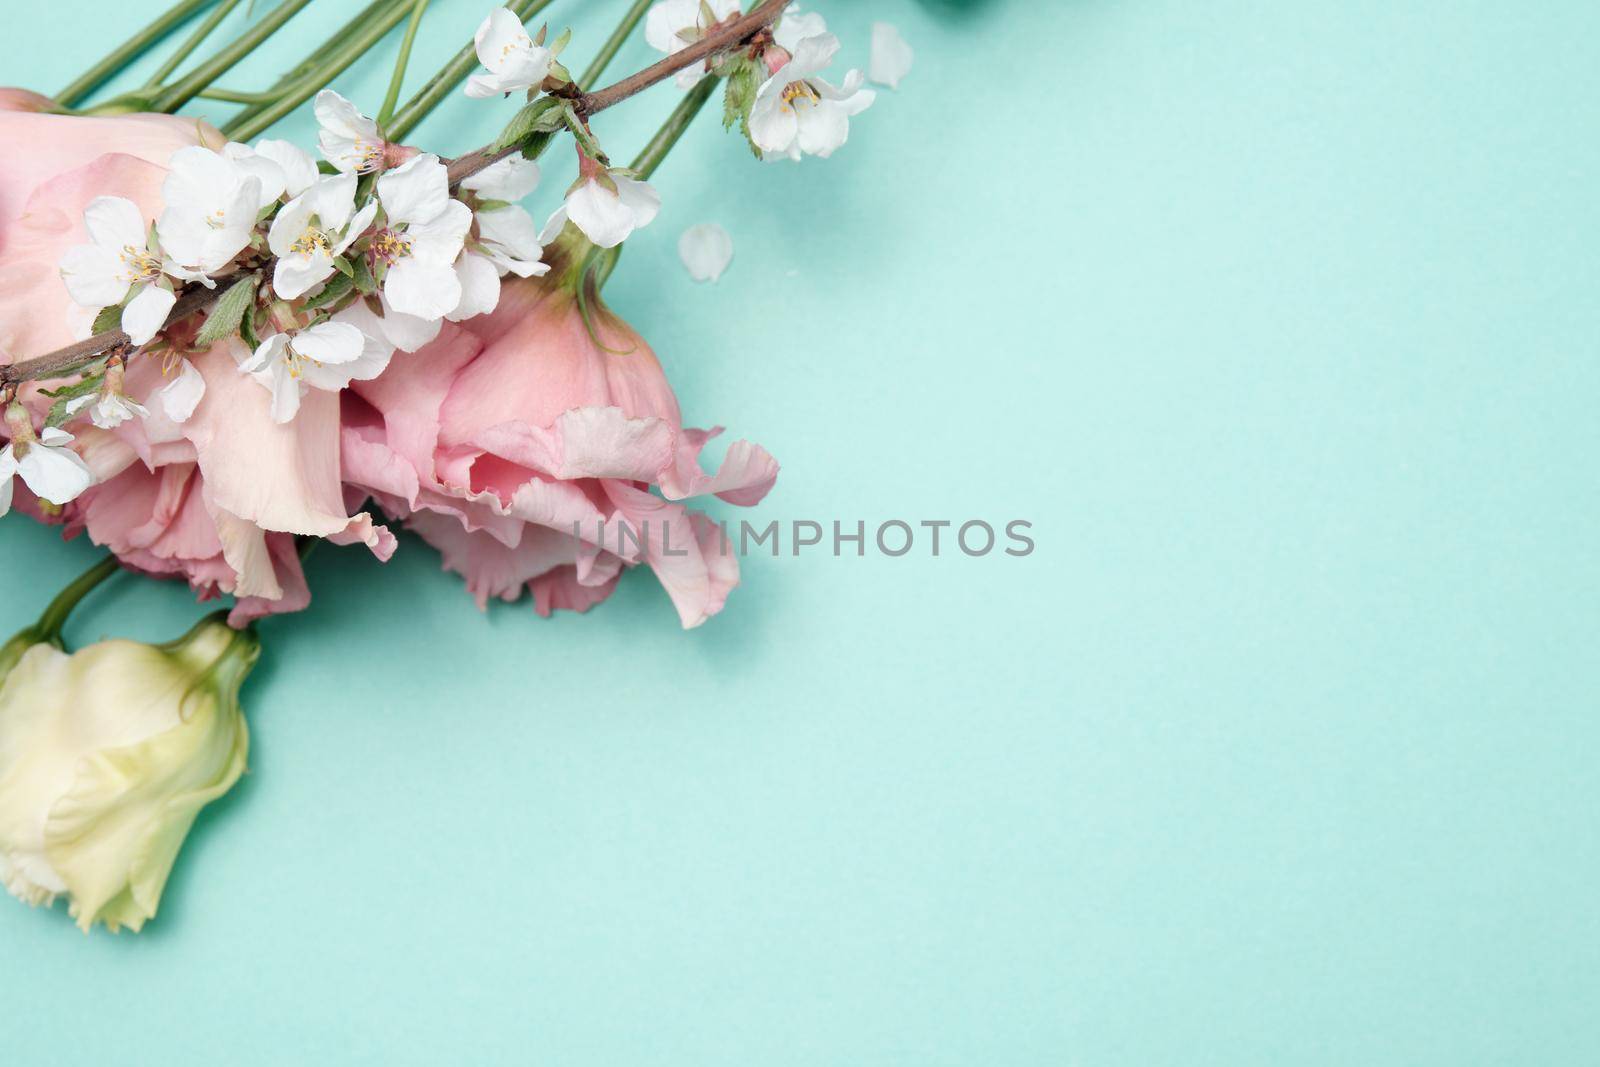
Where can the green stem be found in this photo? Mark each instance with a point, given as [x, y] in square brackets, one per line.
[194, 40]
[451, 75]
[652, 154]
[231, 96]
[614, 43]
[599, 264]
[308, 65]
[392, 97]
[130, 50]
[55, 616]
[190, 86]
[351, 50]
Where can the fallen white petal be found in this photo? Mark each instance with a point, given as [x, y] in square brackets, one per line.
[706, 250]
[891, 56]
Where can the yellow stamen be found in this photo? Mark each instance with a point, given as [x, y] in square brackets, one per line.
[391, 245]
[799, 91]
[311, 242]
[141, 265]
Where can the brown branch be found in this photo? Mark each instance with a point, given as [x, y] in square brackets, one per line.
[68, 360]
[726, 37]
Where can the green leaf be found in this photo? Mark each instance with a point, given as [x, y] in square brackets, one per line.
[338, 287]
[493, 205]
[343, 266]
[109, 319]
[228, 312]
[541, 116]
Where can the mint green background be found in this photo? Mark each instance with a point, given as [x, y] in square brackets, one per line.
[1278, 320]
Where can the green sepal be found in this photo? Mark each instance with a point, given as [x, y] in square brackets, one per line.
[739, 94]
[361, 275]
[64, 396]
[583, 135]
[247, 327]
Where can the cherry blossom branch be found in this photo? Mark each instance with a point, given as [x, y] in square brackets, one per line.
[726, 37]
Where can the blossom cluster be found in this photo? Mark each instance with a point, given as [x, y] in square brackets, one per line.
[333, 273]
[305, 337]
[779, 97]
[315, 270]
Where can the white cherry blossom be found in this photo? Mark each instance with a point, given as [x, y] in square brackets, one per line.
[313, 230]
[211, 207]
[510, 179]
[328, 356]
[422, 234]
[397, 329]
[796, 26]
[348, 139]
[509, 238]
[607, 205]
[281, 166]
[46, 464]
[514, 62]
[797, 113]
[109, 407]
[506, 240]
[123, 261]
[670, 26]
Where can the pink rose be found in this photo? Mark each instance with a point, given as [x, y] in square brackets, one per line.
[512, 430]
[218, 499]
[52, 166]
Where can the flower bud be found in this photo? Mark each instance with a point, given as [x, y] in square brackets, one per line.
[106, 757]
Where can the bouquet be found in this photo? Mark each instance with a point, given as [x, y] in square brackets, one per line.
[218, 350]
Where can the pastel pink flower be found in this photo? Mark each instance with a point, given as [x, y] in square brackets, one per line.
[52, 166]
[522, 447]
[219, 499]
